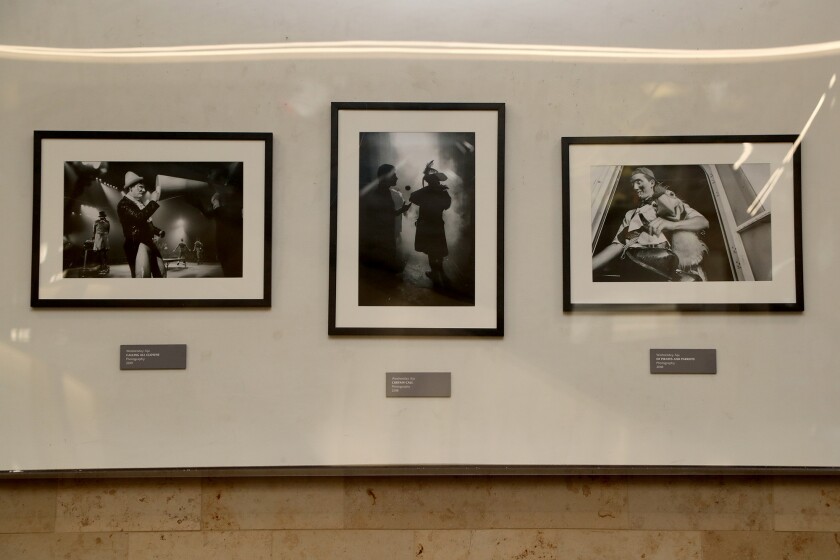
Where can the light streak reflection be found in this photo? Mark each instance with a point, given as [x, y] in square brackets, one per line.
[414, 48]
[765, 191]
[748, 149]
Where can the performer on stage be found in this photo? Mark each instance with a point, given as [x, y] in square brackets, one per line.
[144, 259]
[101, 240]
[182, 252]
[198, 249]
[430, 237]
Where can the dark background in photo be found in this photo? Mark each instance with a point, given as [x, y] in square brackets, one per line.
[186, 212]
[407, 283]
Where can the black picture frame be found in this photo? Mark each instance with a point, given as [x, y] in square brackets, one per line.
[210, 180]
[383, 288]
[746, 187]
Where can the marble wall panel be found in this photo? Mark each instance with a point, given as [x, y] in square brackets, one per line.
[426, 518]
[760, 545]
[128, 505]
[347, 545]
[27, 506]
[502, 502]
[557, 502]
[64, 546]
[561, 544]
[273, 503]
[416, 502]
[694, 502]
[201, 545]
[443, 545]
[807, 504]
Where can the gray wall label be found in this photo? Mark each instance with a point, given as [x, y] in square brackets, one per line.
[153, 356]
[682, 360]
[418, 384]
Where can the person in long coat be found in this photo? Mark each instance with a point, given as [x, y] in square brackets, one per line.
[430, 238]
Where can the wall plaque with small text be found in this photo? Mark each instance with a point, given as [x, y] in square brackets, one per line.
[153, 356]
[418, 384]
[682, 360]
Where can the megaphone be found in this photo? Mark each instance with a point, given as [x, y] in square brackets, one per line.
[170, 187]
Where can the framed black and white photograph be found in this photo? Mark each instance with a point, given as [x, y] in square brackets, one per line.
[134, 219]
[417, 219]
[692, 223]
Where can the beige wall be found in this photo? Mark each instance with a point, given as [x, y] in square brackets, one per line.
[538, 517]
[270, 387]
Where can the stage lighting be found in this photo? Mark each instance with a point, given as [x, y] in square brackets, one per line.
[89, 212]
[170, 187]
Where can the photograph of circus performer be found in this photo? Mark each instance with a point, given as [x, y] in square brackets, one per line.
[667, 223]
[417, 219]
[149, 202]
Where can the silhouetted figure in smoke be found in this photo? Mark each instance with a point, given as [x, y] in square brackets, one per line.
[377, 235]
[430, 238]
